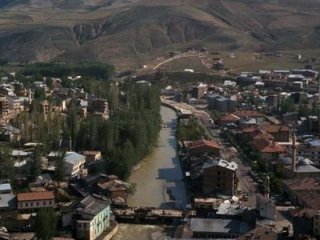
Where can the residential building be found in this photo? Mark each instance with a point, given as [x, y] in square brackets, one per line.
[268, 149]
[310, 149]
[202, 147]
[302, 222]
[203, 228]
[9, 133]
[229, 119]
[116, 189]
[7, 202]
[199, 91]
[5, 188]
[45, 107]
[243, 118]
[35, 200]
[308, 73]
[74, 164]
[261, 233]
[14, 104]
[4, 106]
[265, 207]
[100, 106]
[280, 133]
[316, 224]
[304, 192]
[93, 216]
[303, 168]
[91, 156]
[220, 103]
[219, 176]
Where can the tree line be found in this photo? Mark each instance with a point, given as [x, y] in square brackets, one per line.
[129, 134]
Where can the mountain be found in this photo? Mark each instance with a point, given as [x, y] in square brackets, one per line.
[122, 30]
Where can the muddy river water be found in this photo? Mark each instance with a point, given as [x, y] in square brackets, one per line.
[159, 182]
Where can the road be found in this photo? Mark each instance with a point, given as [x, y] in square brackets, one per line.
[182, 55]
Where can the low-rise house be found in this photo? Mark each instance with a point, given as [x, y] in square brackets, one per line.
[35, 200]
[99, 107]
[265, 207]
[92, 218]
[261, 233]
[92, 156]
[5, 188]
[217, 228]
[302, 222]
[304, 167]
[280, 133]
[74, 164]
[268, 149]
[114, 188]
[202, 147]
[308, 73]
[9, 133]
[229, 119]
[310, 149]
[243, 118]
[7, 202]
[303, 192]
[199, 91]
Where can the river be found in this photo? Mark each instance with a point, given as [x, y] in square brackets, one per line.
[159, 183]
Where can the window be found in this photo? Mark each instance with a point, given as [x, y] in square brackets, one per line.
[27, 205]
[37, 203]
[44, 203]
[31, 204]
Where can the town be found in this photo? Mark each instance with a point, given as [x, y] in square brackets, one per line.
[248, 150]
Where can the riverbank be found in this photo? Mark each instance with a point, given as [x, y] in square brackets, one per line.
[159, 179]
[157, 175]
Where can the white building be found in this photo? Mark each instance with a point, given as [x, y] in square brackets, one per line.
[74, 163]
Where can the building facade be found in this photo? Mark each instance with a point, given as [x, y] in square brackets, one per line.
[35, 200]
[93, 218]
[219, 176]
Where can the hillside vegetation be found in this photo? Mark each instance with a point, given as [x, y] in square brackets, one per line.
[116, 30]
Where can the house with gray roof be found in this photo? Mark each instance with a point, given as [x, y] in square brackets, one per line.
[217, 228]
[74, 163]
[93, 217]
[7, 202]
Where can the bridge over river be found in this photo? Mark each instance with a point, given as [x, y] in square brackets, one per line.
[150, 215]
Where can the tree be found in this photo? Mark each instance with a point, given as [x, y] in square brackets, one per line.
[36, 164]
[45, 224]
[6, 164]
[60, 168]
[288, 105]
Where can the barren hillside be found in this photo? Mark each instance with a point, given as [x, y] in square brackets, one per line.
[42, 30]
